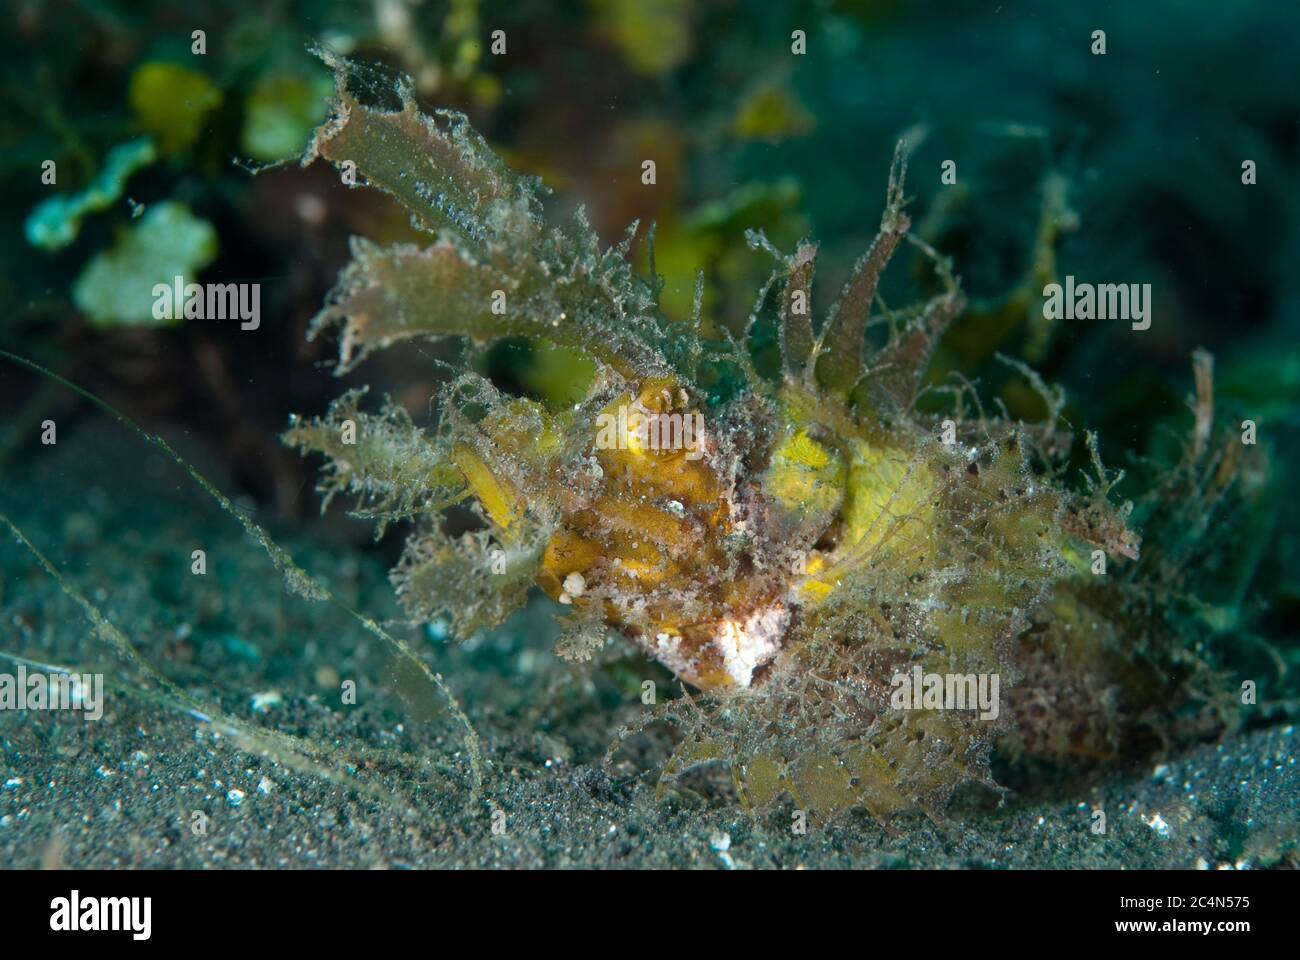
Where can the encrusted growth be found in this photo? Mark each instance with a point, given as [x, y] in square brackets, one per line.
[790, 552]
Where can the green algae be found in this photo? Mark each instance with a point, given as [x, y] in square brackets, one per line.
[56, 222]
[171, 103]
[280, 112]
[116, 287]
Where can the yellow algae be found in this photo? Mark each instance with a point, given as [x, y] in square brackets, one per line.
[498, 499]
[887, 502]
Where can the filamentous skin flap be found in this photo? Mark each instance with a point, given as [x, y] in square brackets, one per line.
[794, 555]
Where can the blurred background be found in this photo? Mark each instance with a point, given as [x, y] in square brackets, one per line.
[1123, 167]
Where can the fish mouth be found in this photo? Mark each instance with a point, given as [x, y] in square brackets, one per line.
[724, 655]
